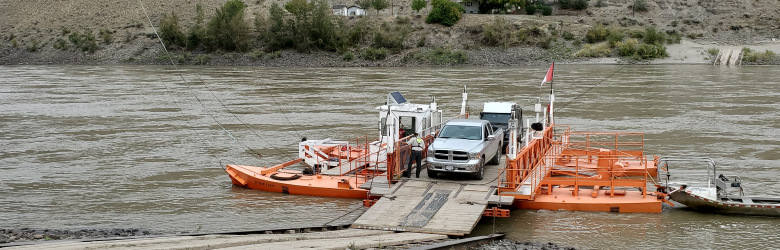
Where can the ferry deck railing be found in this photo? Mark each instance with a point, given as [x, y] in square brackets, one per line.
[576, 162]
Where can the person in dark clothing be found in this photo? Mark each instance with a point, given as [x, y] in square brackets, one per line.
[417, 145]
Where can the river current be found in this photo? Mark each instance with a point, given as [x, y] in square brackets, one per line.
[144, 146]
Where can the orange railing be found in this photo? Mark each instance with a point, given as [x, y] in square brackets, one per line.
[361, 163]
[586, 158]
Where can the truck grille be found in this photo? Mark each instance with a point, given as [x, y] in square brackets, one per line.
[451, 155]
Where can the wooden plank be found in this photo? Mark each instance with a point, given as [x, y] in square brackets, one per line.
[428, 207]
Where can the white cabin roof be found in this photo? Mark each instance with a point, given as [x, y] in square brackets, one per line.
[498, 107]
[406, 107]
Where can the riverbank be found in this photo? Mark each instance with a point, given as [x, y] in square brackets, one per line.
[36, 34]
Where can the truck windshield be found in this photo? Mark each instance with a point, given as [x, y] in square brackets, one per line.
[496, 118]
[461, 132]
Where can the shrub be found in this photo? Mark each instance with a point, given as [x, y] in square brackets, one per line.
[650, 51]
[273, 55]
[530, 9]
[652, 36]
[673, 38]
[497, 33]
[33, 46]
[627, 48]
[614, 37]
[391, 36]
[375, 54]
[444, 12]
[256, 54]
[754, 57]
[638, 34]
[596, 34]
[348, 56]
[568, 36]
[170, 31]
[715, 51]
[106, 36]
[573, 4]
[421, 42]
[565, 4]
[84, 41]
[202, 59]
[594, 50]
[546, 10]
[60, 44]
[579, 4]
[443, 56]
[640, 5]
[547, 43]
[227, 30]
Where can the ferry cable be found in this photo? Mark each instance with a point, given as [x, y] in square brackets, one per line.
[203, 142]
[586, 91]
[341, 216]
[193, 93]
[285, 117]
[239, 120]
[168, 90]
[232, 38]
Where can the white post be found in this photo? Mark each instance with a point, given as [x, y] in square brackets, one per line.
[464, 101]
[552, 101]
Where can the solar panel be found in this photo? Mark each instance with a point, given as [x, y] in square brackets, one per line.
[396, 98]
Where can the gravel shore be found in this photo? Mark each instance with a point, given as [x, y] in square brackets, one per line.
[510, 244]
[31, 234]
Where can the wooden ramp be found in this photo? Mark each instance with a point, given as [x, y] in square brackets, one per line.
[428, 207]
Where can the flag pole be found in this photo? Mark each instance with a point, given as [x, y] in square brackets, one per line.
[552, 78]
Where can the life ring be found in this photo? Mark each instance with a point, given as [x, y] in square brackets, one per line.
[276, 176]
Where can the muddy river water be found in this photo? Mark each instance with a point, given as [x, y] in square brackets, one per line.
[144, 146]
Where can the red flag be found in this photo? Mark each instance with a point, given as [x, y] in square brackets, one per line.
[548, 77]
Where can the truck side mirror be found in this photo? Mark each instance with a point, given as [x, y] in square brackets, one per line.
[491, 137]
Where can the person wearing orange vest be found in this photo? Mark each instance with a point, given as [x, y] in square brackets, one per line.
[418, 145]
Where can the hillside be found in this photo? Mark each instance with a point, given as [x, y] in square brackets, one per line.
[29, 30]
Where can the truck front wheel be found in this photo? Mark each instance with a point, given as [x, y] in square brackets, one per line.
[431, 173]
[480, 174]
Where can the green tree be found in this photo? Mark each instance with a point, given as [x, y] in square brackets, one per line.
[445, 12]
[417, 5]
[170, 31]
[197, 33]
[227, 30]
[379, 5]
[365, 4]
[322, 30]
[276, 35]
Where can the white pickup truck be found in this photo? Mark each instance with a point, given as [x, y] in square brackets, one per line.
[463, 146]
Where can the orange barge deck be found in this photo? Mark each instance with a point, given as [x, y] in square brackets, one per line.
[582, 171]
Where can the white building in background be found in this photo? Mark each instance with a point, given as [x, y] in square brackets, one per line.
[343, 10]
[469, 6]
[339, 10]
[355, 10]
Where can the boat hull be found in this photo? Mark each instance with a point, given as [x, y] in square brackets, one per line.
[313, 185]
[562, 199]
[723, 207]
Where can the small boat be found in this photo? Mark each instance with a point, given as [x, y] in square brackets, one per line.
[358, 168]
[712, 192]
